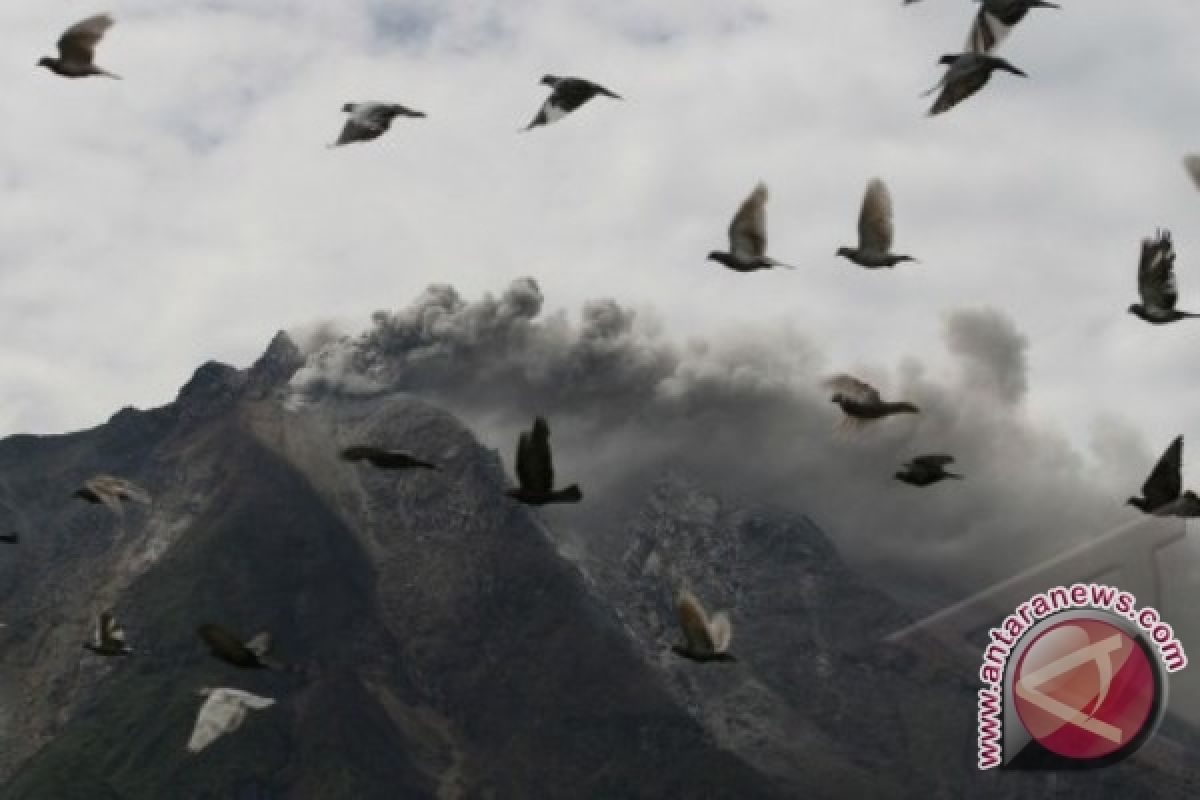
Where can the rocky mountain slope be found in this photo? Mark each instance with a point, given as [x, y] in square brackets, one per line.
[816, 685]
[439, 642]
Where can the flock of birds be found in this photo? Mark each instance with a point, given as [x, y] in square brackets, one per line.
[706, 638]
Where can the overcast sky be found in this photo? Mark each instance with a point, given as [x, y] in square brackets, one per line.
[192, 209]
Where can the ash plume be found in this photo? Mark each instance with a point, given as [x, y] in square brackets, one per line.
[745, 412]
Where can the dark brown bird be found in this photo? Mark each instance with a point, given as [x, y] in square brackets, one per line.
[77, 49]
[568, 94]
[927, 470]
[875, 230]
[535, 470]
[229, 648]
[748, 236]
[705, 639]
[109, 638]
[966, 74]
[1163, 494]
[384, 459]
[1156, 282]
[861, 401]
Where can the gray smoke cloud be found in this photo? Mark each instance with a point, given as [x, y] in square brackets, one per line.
[992, 350]
[745, 412]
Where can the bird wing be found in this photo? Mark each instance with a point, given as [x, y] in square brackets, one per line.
[934, 461]
[358, 453]
[110, 632]
[1192, 164]
[535, 464]
[221, 713]
[131, 491]
[849, 385]
[694, 622]
[250, 700]
[102, 487]
[748, 229]
[1166, 479]
[1156, 273]
[720, 630]
[358, 130]
[988, 31]
[260, 645]
[875, 219]
[959, 85]
[78, 42]
[548, 113]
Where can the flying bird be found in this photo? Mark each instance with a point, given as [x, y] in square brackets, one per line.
[535, 470]
[1156, 282]
[966, 74]
[384, 459]
[705, 638]
[223, 712]
[77, 49]
[875, 230]
[1162, 493]
[861, 402]
[10, 538]
[927, 470]
[568, 94]
[996, 18]
[748, 236]
[109, 637]
[111, 491]
[1191, 163]
[231, 649]
[370, 121]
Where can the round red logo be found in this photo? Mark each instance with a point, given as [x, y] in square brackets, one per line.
[1085, 689]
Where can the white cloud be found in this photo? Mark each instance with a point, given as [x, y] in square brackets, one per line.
[189, 211]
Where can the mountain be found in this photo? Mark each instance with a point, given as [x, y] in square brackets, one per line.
[816, 686]
[441, 640]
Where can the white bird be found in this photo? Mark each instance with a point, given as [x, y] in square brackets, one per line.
[111, 491]
[705, 638]
[223, 712]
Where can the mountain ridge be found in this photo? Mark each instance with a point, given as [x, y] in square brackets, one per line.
[442, 640]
